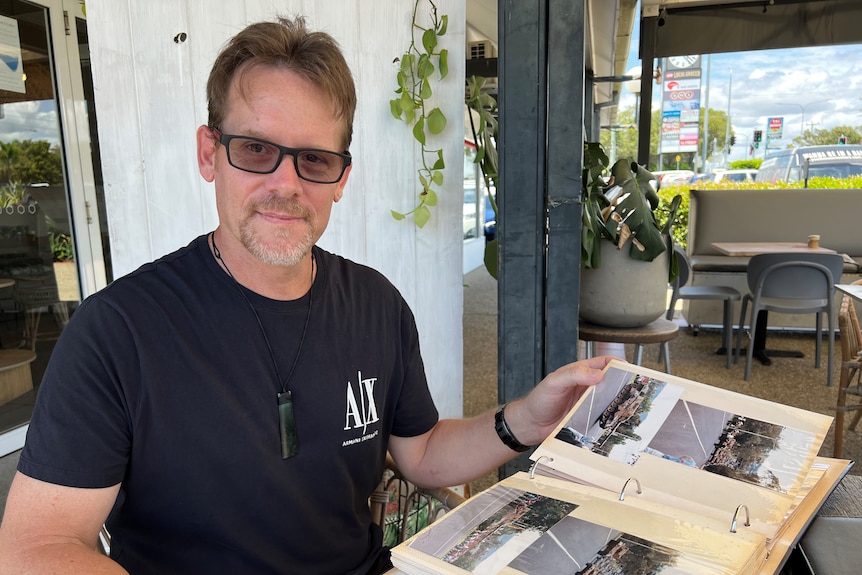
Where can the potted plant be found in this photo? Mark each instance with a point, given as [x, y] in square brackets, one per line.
[65, 272]
[624, 284]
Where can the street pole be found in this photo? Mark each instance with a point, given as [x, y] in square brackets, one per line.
[801, 114]
[727, 133]
[706, 119]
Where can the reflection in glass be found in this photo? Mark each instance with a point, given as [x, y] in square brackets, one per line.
[38, 275]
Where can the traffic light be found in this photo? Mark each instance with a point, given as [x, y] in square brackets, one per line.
[733, 139]
[758, 135]
[842, 140]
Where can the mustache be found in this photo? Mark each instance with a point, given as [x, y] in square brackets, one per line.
[280, 205]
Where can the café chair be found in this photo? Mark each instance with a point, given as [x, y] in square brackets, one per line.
[850, 340]
[681, 291]
[401, 509]
[792, 283]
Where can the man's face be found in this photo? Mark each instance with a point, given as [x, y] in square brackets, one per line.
[277, 217]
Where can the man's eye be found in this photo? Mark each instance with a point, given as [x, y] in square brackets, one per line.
[256, 148]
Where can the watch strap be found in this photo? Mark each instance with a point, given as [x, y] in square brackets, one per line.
[505, 434]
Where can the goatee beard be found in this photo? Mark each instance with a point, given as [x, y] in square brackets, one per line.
[279, 250]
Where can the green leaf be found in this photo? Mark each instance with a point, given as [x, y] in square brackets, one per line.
[421, 216]
[444, 24]
[425, 90]
[402, 82]
[423, 180]
[491, 258]
[487, 101]
[419, 130]
[407, 64]
[406, 102]
[437, 178]
[395, 108]
[425, 68]
[436, 121]
[429, 40]
[439, 164]
[397, 215]
[444, 63]
[429, 197]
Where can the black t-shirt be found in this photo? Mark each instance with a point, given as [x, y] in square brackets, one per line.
[163, 382]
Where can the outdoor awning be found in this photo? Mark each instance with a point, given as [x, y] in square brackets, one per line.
[715, 26]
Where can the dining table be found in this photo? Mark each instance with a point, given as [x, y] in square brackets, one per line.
[756, 248]
[853, 290]
[761, 353]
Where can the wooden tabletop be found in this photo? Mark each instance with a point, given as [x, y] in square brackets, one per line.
[755, 248]
[658, 331]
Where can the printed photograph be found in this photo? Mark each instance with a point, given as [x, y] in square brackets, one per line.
[584, 548]
[485, 535]
[638, 416]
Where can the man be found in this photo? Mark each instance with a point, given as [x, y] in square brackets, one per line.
[228, 408]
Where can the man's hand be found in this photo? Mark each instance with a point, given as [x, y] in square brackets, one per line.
[534, 417]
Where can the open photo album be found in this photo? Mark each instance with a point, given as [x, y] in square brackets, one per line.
[648, 473]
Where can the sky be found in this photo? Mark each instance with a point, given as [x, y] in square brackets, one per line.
[821, 87]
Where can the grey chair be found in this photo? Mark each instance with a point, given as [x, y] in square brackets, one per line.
[727, 294]
[793, 283]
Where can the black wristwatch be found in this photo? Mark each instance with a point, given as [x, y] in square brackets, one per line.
[505, 434]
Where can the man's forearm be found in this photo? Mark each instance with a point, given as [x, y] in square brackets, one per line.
[457, 451]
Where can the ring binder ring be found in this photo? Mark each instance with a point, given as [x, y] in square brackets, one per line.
[736, 514]
[626, 484]
[536, 463]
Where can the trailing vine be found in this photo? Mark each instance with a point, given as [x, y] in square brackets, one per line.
[416, 70]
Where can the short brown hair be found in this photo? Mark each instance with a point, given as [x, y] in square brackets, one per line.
[285, 43]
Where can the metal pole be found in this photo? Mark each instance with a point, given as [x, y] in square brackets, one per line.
[727, 133]
[706, 119]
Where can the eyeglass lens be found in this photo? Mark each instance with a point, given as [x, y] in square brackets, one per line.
[262, 157]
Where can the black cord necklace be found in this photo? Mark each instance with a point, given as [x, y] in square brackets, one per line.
[286, 420]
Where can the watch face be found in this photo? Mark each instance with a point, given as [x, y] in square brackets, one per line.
[683, 61]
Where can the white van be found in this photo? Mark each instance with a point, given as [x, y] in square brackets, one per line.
[795, 164]
[738, 175]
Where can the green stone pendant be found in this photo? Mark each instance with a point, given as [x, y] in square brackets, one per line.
[287, 426]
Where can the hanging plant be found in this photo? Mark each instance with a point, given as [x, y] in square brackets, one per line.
[417, 67]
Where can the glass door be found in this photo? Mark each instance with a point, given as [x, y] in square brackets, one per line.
[52, 249]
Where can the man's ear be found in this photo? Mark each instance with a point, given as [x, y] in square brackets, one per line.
[339, 191]
[207, 147]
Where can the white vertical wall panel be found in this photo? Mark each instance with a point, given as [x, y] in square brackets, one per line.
[150, 99]
[116, 97]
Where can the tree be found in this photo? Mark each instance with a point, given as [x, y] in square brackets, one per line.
[626, 140]
[621, 139]
[30, 162]
[829, 137]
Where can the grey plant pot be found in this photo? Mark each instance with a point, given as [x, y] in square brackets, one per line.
[623, 291]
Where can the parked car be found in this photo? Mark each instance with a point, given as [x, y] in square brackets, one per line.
[669, 176]
[702, 178]
[795, 164]
[741, 175]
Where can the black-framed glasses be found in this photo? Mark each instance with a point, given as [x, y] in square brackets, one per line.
[261, 157]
